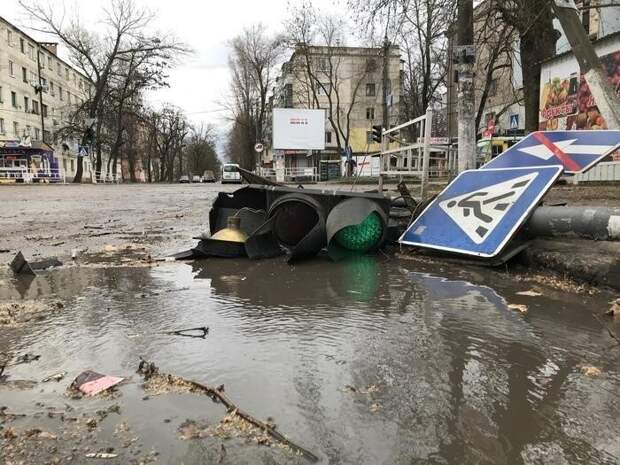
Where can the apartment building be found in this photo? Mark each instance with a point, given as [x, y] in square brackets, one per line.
[505, 86]
[347, 82]
[38, 92]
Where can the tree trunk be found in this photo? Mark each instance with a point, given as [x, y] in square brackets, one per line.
[537, 45]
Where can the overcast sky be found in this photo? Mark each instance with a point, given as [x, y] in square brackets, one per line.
[200, 82]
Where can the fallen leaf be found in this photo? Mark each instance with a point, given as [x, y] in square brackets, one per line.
[614, 310]
[375, 408]
[46, 435]
[531, 293]
[518, 307]
[592, 372]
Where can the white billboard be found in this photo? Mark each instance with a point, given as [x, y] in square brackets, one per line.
[298, 129]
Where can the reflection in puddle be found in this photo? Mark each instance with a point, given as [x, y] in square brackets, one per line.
[456, 376]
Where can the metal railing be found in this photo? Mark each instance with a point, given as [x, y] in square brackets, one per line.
[301, 174]
[422, 158]
[23, 175]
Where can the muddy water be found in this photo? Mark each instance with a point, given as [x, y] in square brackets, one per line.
[367, 361]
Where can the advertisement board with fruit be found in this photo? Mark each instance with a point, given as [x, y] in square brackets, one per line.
[566, 102]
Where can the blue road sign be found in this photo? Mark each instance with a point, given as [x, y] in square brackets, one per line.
[577, 151]
[480, 211]
[514, 121]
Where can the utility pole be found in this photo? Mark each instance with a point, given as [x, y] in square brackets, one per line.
[464, 60]
[39, 90]
[589, 63]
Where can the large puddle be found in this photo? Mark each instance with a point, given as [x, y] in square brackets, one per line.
[364, 361]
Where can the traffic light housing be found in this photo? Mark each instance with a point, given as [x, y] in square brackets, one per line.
[377, 133]
[303, 221]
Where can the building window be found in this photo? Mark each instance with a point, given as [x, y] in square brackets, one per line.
[323, 88]
[58, 68]
[16, 128]
[14, 99]
[31, 52]
[44, 110]
[22, 45]
[370, 113]
[24, 74]
[11, 70]
[49, 62]
[47, 136]
[44, 84]
[37, 134]
[1, 99]
[370, 90]
[28, 131]
[72, 167]
[26, 105]
[33, 77]
[52, 89]
[60, 93]
[1, 125]
[9, 37]
[35, 107]
[323, 64]
[369, 137]
[68, 97]
[67, 73]
[328, 137]
[493, 88]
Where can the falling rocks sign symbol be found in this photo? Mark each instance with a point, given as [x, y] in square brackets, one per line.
[480, 211]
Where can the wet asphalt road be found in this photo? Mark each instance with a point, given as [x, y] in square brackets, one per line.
[373, 360]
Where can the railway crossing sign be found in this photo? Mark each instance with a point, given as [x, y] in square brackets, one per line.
[480, 211]
[577, 151]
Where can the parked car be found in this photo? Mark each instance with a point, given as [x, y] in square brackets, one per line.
[230, 173]
[184, 179]
[208, 176]
[196, 178]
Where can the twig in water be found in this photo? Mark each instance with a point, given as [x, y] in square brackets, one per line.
[149, 369]
[204, 330]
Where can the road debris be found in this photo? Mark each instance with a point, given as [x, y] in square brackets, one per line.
[530, 293]
[152, 377]
[20, 265]
[100, 455]
[55, 377]
[91, 383]
[518, 307]
[191, 332]
[592, 372]
[614, 310]
[13, 314]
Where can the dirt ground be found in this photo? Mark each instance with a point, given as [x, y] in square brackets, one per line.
[56, 221]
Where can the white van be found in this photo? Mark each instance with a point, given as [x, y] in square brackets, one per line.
[230, 173]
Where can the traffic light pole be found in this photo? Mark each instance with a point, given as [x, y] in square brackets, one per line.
[589, 63]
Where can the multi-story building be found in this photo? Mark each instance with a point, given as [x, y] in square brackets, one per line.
[504, 85]
[38, 93]
[347, 82]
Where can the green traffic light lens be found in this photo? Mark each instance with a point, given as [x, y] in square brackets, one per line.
[363, 236]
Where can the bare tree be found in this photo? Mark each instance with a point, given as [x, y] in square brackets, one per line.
[420, 28]
[98, 55]
[252, 61]
[324, 75]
